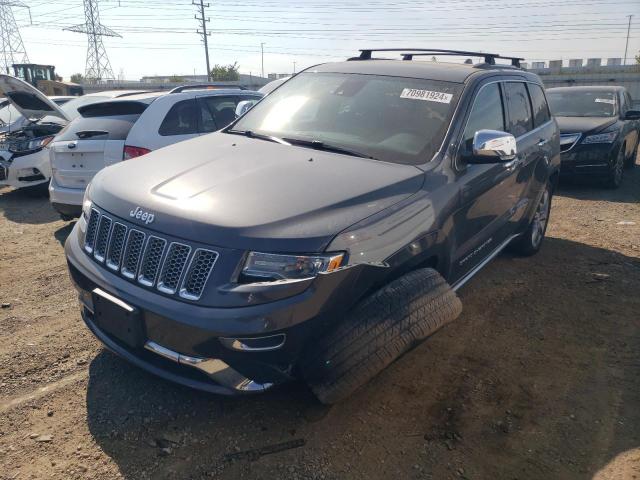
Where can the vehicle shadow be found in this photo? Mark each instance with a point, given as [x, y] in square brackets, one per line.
[592, 189]
[537, 379]
[21, 207]
[63, 232]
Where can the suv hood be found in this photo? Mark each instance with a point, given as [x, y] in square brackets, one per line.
[29, 101]
[584, 124]
[236, 192]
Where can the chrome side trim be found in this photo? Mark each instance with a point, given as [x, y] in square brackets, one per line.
[238, 343]
[592, 165]
[216, 369]
[479, 267]
[112, 299]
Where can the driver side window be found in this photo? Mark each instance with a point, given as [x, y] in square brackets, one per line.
[486, 114]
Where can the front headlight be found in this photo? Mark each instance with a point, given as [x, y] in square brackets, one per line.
[290, 267]
[35, 144]
[601, 138]
[86, 204]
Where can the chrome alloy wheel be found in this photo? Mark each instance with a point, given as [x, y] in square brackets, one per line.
[540, 219]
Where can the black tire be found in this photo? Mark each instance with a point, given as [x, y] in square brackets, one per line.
[530, 241]
[616, 172]
[631, 162]
[378, 331]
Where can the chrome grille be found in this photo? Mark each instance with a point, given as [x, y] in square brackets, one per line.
[102, 237]
[92, 228]
[116, 245]
[152, 261]
[132, 253]
[198, 273]
[173, 267]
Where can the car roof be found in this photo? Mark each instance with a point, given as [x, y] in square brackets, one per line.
[587, 88]
[443, 71]
[115, 93]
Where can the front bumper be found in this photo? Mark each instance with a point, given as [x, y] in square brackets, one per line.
[193, 336]
[594, 159]
[24, 171]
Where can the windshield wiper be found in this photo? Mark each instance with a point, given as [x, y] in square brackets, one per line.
[259, 136]
[320, 145]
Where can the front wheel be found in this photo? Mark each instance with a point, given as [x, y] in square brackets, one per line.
[614, 180]
[377, 332]
[531, 240]
[631, 162]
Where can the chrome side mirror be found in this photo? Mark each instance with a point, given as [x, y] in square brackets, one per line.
[244, 106]
[491, 146]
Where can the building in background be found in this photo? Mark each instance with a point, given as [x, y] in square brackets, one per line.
[594, 62]
[614, 62]
[555, 64]
[575, 62]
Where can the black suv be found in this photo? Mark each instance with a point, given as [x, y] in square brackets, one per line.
[599, 131]
[323, 233]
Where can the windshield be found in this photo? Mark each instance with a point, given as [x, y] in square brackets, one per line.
[400, 120]
[581, 103]
[71, 107]
[9, 114]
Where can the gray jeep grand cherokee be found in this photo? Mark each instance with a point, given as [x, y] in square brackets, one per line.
[322, 234]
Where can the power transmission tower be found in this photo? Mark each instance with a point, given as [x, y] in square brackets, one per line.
[203, 23]
[13, 50]
[98, 66]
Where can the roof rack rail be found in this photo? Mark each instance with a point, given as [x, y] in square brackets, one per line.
[206, 86]
[409, 53]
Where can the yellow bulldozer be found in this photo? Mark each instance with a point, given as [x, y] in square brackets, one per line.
[44, 78]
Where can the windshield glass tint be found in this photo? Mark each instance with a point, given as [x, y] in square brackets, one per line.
[71, 107]
[401, 120]
[582, 103]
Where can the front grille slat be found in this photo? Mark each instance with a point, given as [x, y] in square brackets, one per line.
[116, 246]
[132, 253]
[151, 260]
[171, 267]
[198, 273]
[92, 229]
[102, 238]
[174, 264]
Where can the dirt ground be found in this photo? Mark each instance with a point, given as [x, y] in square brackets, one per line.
[538, 379]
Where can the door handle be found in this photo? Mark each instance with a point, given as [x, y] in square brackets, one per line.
[543, 142]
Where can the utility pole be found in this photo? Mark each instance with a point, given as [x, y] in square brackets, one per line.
[203, 23]
[13, 50]
[98, 66]
[294, 67]
[626, 48]
[262, 55]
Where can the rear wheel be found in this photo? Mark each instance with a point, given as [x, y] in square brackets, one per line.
[616, 172]
[531, 240]
[378, 331]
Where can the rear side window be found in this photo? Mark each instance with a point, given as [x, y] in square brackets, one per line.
[519, 108]
[486, 114]
[114, 127]
[541, 113]
[105, 109]
[182, 119]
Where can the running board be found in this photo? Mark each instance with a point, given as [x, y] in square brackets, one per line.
[479, 267]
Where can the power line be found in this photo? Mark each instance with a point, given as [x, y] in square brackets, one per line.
[203, 23]
[98, 66]
[13, 50]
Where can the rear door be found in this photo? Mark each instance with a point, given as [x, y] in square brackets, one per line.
[92, 142]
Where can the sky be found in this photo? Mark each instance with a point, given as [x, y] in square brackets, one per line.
[158, 37]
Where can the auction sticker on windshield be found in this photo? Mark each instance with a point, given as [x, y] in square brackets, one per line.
[605, 100]
[426, 95]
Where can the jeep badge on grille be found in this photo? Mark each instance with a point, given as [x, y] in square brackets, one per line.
[140, 214]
